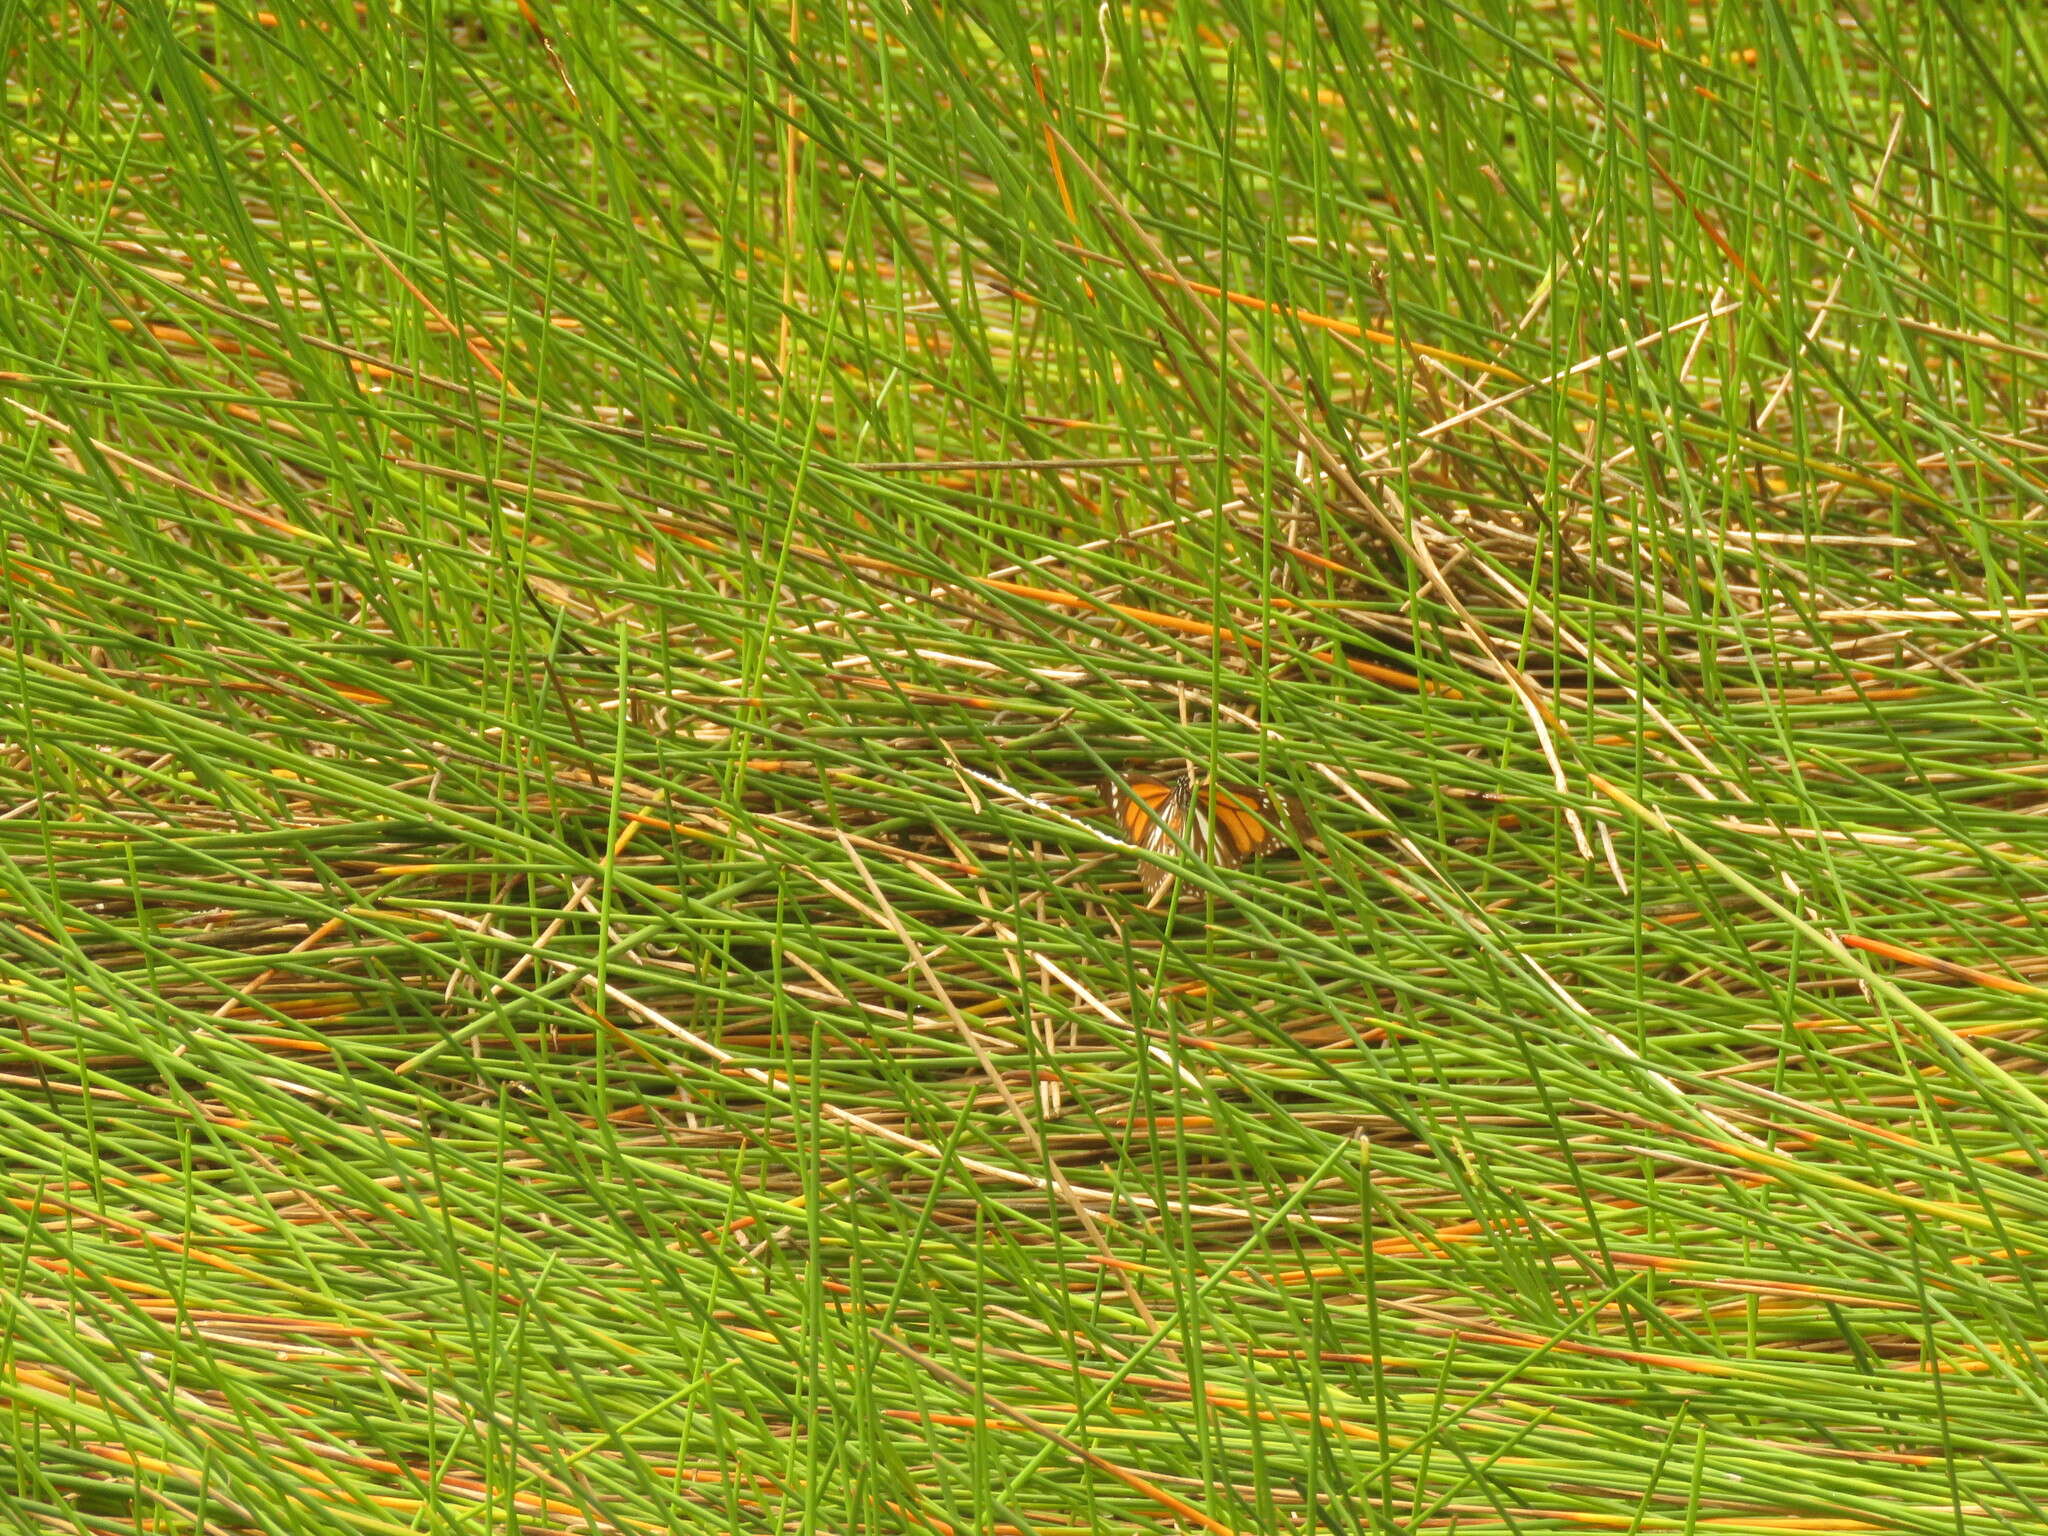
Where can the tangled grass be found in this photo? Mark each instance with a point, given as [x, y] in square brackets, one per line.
[575, 574]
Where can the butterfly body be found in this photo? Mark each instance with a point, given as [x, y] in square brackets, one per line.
[1224, 827]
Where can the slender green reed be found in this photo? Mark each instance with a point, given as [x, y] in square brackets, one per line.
[574, 574]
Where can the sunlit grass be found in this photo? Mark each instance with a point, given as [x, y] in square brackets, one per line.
[574, 577]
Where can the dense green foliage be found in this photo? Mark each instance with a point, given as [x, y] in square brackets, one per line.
[574, 573]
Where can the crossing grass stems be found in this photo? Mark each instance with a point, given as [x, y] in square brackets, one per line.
[572, 573]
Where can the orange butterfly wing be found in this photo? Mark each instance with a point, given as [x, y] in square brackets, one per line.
[1153, 814]
[1139, 809]
[1241, 822]
[1225, 826]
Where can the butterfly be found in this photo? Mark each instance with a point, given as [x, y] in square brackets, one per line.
[1173, 815]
